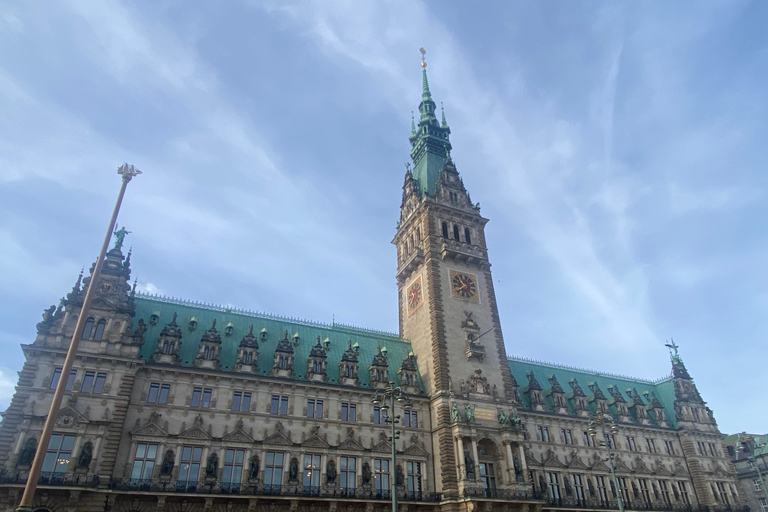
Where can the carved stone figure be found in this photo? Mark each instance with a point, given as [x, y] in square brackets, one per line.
[120, 236]
[27, 453]
[86, 455]
[399, 475]
[591, 487]
[253, 472]
[469, 463]
[470, 413]
[212, 467]
[502, 417]
[518, 470]
[455, 414]
[366, 473]
[293, 470]
[141, 329]
[330, 471]
[166, 468]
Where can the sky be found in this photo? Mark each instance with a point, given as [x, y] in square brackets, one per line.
[618, 149]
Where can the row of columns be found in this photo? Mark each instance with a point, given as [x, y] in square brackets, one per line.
[510, 458]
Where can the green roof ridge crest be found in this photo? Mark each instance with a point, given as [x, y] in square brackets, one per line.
[587, 370]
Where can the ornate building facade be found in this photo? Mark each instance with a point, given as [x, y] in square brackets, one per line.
[182, 406]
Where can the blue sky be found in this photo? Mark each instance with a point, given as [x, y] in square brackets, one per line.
[618, 149]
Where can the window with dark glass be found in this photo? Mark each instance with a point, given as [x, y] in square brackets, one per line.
[455, 232]
[99, 333]
[631, 446]
[279, 405]
[669, 446]
[379, 416]
[411, 419]
[348, 412]
[645, 492]
[445, 230]
[59, 453]
[651, 444]
[87, 329]
[93, 382]
[314, 408]
[57, 376]
[488, 476]
[554, 486]
[201, 397]
[381, 476]
[578, 487]
[347, 472]
[623, 488]
[601, 489]
[241, 401]
[158, 393]
[273, 471]
[588, 439]
[467, 237]
[311, 471]
[565, 436]
[683, 487]
[665, 492]
[143, 463]
[247, 357]
[414, 476]
[189, 465]
[233, 469]
[543, 433]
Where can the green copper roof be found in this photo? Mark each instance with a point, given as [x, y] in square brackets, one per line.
[339, 336]
[663, 388]
[430, 142]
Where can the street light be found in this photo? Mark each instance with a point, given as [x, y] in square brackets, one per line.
[386, 402]
[751, 454]
[602, 420]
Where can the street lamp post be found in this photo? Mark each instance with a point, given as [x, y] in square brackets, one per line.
[602, 420]
[392, 393]
[27, 499]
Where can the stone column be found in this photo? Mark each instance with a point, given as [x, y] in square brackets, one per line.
[477, 459]
[510, 463]
[523, 464]
[460, 457]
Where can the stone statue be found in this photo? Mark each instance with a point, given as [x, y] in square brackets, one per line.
[27, 453]
[330, 471]
[502, 417]
[399, 475]
[141, 329]
[470, 412]
[455, 414]
[542, 484]
[253, 472]
[293, 470]
[168, 460]
[518, 471]
[366, 473]
[469, 463]
[212, 467]
[86, 455]
[591, 487]
[120, 236]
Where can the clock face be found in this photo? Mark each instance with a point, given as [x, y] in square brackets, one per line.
[414, 295]
[464, 286]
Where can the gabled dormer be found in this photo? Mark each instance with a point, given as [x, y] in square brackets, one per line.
[618, 401]
[578, 398]
[556, 393]
[656, 409]
[533, 391]
[637, 407]
[169, 343]
[282, 363]
[210, 349]
[316, 363]
[248, 353]
[408, 375]
[379, 369]
[348, 371]
[515, 389]
[597, 398]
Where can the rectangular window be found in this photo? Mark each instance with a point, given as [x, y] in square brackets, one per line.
[645, 492]
[764, 504]
[624, 490]
[414, 477]
[158, 393]
[279, 405]
[201, 397]
[189, 466]
[93, 382]
[723, 493]
[273, 472]
[610, 441]
[143, 463]
[665, 492]
[57, 376]
[601, 490]
[381, 477]
[347, 473]
[684, 492]
[314, 408]
[241, 401]
[488, 478]
[565, 436]
[669, 447]
[311, 473]
[58, 454]
[701, 448]
[233, 469]
[712, 449]
[578, 487]
[588, 439]
[554, 486]
[651, 444]
[348, 412]
[379, 416]
[631, 446]
[758, 486]
[543, 433]
[411, 419]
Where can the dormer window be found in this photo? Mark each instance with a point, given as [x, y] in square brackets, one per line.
[209, 353]
[248, 357]
[168, 347]
[283, 362]
[317, 366]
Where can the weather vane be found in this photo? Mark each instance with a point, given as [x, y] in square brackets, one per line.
[674, 354]
[423, 57]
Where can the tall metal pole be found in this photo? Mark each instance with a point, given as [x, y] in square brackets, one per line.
[601, 419]
[394, 446]
[27, 499]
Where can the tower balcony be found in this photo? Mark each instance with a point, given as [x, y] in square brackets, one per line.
[462, 251]
[410, 263]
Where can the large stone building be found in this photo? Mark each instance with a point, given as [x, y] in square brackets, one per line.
[749, 454]
[182, 406]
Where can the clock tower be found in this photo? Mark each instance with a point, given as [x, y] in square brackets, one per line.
[446, 300]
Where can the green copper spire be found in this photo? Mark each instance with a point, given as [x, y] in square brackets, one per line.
[430, 142]
[413, 125]
[442, 111]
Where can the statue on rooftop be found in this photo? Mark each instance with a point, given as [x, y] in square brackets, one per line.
[120, 236]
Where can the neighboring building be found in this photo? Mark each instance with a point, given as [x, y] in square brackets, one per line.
[749, 454]
[174, 405]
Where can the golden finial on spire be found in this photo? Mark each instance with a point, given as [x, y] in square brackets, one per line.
[423, 57]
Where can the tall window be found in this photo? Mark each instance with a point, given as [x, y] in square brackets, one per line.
[57, 376]
[169, 347]
[87, 329]
[631, 446]
[189, 466]
[723, 493]
[93, 382]
[247, 357]
[665, 492]
[669, 446]
[348, 412]
[143, 463]
[314, 408]
[158, 393]
[644, 491]
[764, 504]
[99, 333]
[684, 492]
[273, 472]
[201, 397]
[554, 486]
[758, 485]
[58, 454]
[445, 232]
[283, 363]
[610, 441]
[543, 433]
[565, 436]
[624, 490]
[311, 472]
[414, 477]
[279, 405]
[241, 401]
[381, 477]
[488, 477]
[347, 473]
[467, 237]
[712, 449]
[651, 445]
[578, 487]
[455, 232]
[233, 469]
[602, 493]
[379, 416]
[588, 439]
[411, 419]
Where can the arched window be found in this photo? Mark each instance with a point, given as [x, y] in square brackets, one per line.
[467, 237]
[456, 232]
[418, 234]
[247, 357]
[99, 330]
[445, 230]
[88, 328]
